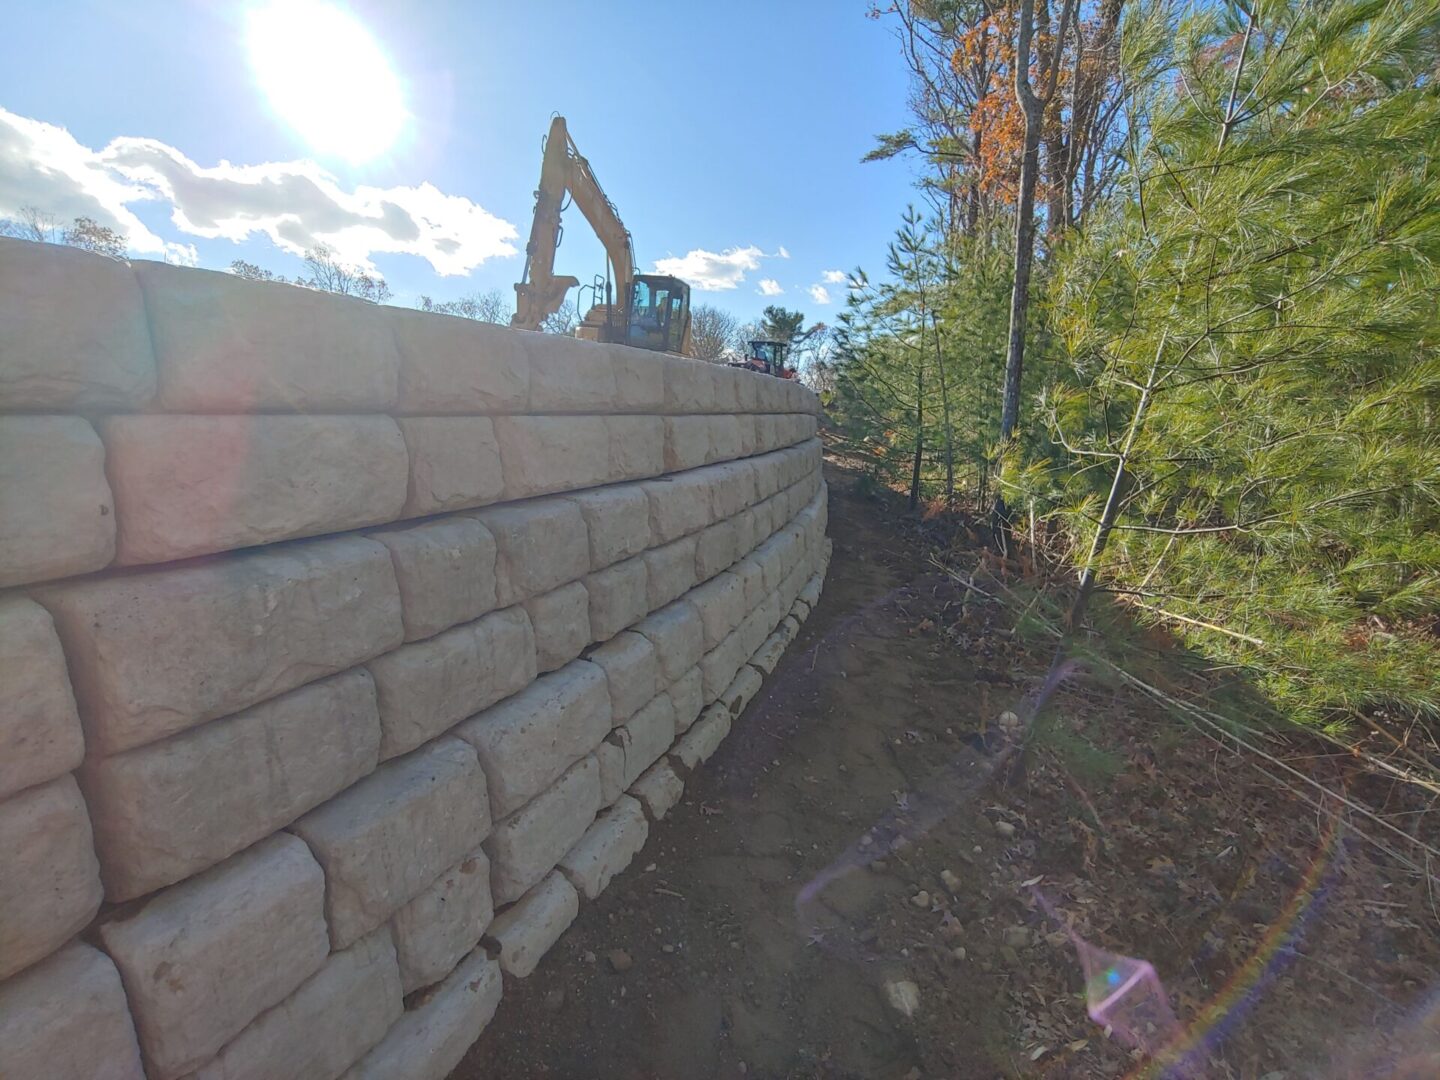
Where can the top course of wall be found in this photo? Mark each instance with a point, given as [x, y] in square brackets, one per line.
[150, 413]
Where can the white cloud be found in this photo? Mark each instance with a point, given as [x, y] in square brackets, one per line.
[819, 294]
[783, 253]
[833, 277]
[712, 271]
[770, 287]
[295, 203]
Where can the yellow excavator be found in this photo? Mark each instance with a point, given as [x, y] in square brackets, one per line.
[653, 311]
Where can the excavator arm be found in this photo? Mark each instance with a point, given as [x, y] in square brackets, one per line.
[564, 170]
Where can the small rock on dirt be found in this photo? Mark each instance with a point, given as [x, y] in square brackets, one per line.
[1017, 937]
[1004, 829]
[620, 960]
[921, 899]
[950, 880]
[903, 995]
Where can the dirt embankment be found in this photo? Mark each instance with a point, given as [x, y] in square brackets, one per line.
[1287, 949]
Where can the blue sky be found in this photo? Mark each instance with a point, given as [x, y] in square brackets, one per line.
[733, 129]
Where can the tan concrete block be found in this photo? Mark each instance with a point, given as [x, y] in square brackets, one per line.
[539, 546]
[445, 570]
[450, 364]
[169, 810]
[689, 385]
[687, 442]
[704, 738]
[607, 847]
[454, 463]
[434, 931]
[66, 1019]
[716, 548]
[610, 759]
[224, 344]
[62, 355]
[155, 653]
[752, 581]
[637, 446]
[56, 514]
[687, 696]
[732, 488]
[545, 454]
[386, 839]
[525, 931]
[561, 619]
[632, 671]
[749, 443]
[679, 505]
[618, 598]
[325, 1026]
[810, 593]
[647, 735]
[527, 844]
[50, 884]
[726, 381]
[527, 741]
[721, 604]
[429, 1040]
[678, 635]
[427, 687]
[724, 438]
[192, 485]
[617, 521]
[721, 664]
[747, 390]
[769, 653]
[204, 958]
[670, 571]
[658, 790]
[40, 735]
[572, 376]
[742, 690]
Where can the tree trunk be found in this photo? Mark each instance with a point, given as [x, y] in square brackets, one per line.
[919, 432]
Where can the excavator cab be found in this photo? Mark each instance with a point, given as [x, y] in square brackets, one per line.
[659, 313]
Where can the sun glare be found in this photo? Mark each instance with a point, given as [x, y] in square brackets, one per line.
[326, 76]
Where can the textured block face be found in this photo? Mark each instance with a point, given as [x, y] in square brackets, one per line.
[204, 958]
[670, 571]
[454, 463]
[56, 512]
[658, 790]
[228, 345]
[561, 619]
[733, 488]
[39, 728]
[527, 741]
[704, 738]
[525, 932]
[741, 691]
[436, 929]
[687, 442]
[721, 604]
[455, 365]
[544, 454]
[610, 759]
[724, 438]
[529, 842]
[607, 847]
[169, 810]
[678, 635]
[715, 549]
[567, 376]
[335, 1016]
[689, 385]
[719, 666]
[617, 520]
[155, 653]
[446, 573]
[678, 505]
[428, 687]
[429, 1040]
[66, 1019]
[56, 354]
[50, 887]
[637, 446]
[687, 695]
[192, 485]
[539, 546]
[386, 839]
[632, 671]
[617, 598]
[646, 736]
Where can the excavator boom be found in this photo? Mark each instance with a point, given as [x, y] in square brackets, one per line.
[565, 170]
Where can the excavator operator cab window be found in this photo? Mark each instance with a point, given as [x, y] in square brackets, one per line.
[658, 309]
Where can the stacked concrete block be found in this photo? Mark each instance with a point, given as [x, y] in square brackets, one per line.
[338, 639]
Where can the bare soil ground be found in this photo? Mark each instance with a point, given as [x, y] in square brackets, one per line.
[1288, 948]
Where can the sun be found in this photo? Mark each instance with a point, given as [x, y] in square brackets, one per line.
[324, 74]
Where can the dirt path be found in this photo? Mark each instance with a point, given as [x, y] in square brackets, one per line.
[1135, 835]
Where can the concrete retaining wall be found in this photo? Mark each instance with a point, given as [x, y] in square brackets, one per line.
[345, 652]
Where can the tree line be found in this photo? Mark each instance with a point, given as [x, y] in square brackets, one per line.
[1171, 302]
